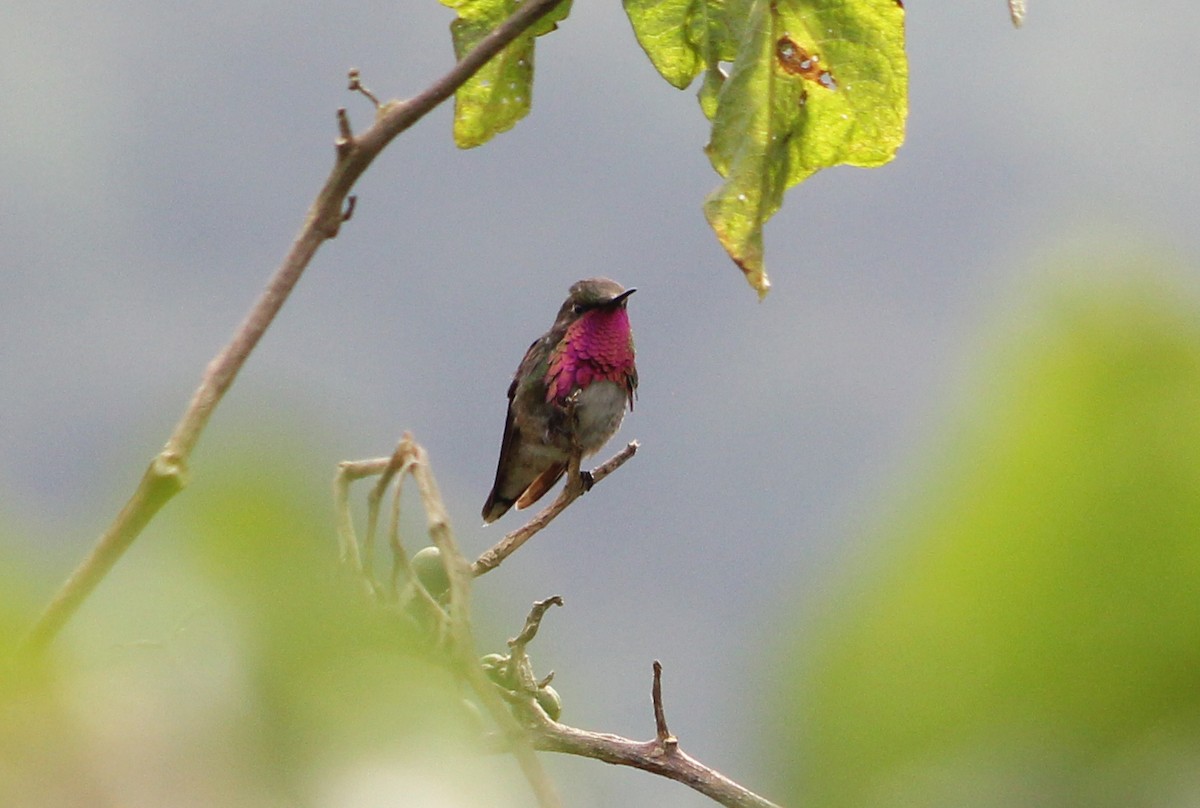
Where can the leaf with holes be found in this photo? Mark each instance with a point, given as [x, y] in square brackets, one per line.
[813, 84]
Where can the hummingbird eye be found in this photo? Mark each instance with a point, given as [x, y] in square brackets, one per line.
[578, 308]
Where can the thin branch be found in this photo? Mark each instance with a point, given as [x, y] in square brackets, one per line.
[461, 635]
[167, 473]
[393, 467]
[348, 472]
[166, 476]
[397, 464]
[650, 756]
[356, 85]
[661, 755]
[575, 488]
[661, 733]
[533, 622]
[401, 564]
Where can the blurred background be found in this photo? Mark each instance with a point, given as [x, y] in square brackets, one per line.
[919, 529]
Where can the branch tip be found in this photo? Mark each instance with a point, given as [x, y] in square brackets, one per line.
[345, 140]
[534, 621]
[357, 86]
[663, 735]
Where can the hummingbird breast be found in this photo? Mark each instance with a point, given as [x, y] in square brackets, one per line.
[594, 361]
[599, 411]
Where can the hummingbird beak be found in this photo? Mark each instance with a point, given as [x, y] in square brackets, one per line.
[621, 297]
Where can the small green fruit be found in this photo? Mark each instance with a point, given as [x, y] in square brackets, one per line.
[427, 566]
[549, 700]
[495, 667]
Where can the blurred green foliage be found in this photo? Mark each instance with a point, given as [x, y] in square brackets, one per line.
[1029, 634]
[227, 661]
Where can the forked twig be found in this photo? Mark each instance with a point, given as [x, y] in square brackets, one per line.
[660, 755]
[349, 471]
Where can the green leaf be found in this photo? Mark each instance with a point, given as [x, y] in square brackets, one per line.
[814, 83]
[662, 31]
[499, 95]
[683, 37]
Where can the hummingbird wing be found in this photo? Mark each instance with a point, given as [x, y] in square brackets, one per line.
[524, 457]
[497, 502]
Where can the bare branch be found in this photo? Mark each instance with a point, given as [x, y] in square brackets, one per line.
[661, 756]
[167, 474]
[461, 635]
[398, 463]
[649, 756]
[661, 733]
[389, 468]
[345, 141]
[356, 85]
[349, 471]
[575, 488]
[401, 564]
[533, 622]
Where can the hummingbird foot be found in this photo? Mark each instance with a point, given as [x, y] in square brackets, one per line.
[586, 478]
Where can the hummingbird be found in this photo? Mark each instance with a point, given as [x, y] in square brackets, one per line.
[586, 358]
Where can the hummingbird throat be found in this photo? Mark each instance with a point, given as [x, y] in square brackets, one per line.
[596, 347]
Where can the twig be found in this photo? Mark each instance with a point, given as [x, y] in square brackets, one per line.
[461, 635]
[649, 756]
[167, 474]
[400, 560]
[661, 756]
[575, 488]
[519, 666]
[533, 622]
[661, 733]
[356, 85]
[349, 471]
[393, 467]
[397, 464]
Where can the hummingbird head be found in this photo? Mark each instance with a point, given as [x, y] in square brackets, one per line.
[591, 294]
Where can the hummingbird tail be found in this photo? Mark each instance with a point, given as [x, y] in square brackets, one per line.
[544, 482]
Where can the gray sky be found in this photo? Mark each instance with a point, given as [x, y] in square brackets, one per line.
[158, 158]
